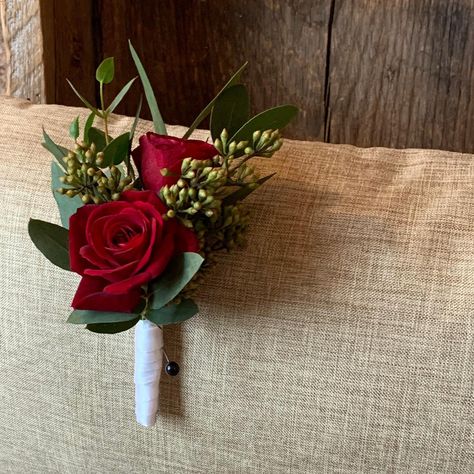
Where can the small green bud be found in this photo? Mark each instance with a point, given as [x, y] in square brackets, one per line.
[164, 172]
[186, 164]
[61, 190]
[96, 199]
[256, 135]
[71, 193]
[197, 205]
[86, 198]
[171, 213]
[202, 194]
[190, 175]
[232, 147]
[71, 154]
[91, 172]
[93, 148]
[218, 145]
[89, 155]
[100, 159]
[209, 213]
[192, 193]
[208, 200]
[206, 170]
[62, 179]
[115, 196]
[248, 150]
[241, 145]
[183, 194]
[224, 135]
[212, 175]
[181, 183]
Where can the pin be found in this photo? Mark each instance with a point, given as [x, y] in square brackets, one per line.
[171, 368]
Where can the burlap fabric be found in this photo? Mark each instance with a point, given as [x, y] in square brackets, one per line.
[340, 340]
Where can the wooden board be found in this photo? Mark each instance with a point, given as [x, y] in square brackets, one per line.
[190, 48]
[21, 50]
[401, 74]
[395, 73]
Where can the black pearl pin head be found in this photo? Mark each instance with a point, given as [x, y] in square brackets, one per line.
[172, 368]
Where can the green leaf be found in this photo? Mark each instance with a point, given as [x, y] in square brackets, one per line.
[74, 128]
[243, 192]
[275, 118]
[59, 152]
[158, 122]
[67, 206]
[230, 111]
[174, 313]
[135, 122]
[177, 275]
[106, 70]
[81, 316]
[207, 110]
[87, 126]
[117, 150]
[84, 101]
[120, 96]
[51, 240]
[97, 136]
[112, 328]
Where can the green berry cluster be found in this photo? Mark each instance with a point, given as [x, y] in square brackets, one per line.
[262, 144]
[84, 176]
[194, 194]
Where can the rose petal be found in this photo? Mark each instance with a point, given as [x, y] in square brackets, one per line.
[90, 295]
[77, 238]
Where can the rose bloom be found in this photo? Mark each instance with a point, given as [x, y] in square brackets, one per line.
[119, 246]
[156, 152]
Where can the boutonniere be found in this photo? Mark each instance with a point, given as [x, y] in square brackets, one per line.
[141, 226]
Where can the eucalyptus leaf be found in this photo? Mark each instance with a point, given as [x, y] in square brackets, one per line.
[244, 191]
[106, 70]
[230, 111]
[84, 100]
[97, 136]
[74, 128]
[59, 152]
[52, 241]
[82, 316]
[112, 328]
[158, 122]
[174, 313]
[120, 96]
[87, 126]
[178, 274]
[275, 118]
[207, 110]
[67, 206]
[117, 150]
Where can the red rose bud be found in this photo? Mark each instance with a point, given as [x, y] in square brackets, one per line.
[119, 246]
[158, 152]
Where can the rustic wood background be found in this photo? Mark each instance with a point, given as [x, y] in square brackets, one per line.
[396, 73]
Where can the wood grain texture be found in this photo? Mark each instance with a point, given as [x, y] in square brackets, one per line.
[401, 74]
[69, 49]
[190, 48]
[22, 72]
[395, 73]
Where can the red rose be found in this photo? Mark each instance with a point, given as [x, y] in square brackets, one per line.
[119, 246]
[156, 152]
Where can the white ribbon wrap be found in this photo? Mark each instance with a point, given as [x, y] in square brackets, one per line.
[148, 364]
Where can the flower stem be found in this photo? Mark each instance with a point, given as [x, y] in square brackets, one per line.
[104, 113]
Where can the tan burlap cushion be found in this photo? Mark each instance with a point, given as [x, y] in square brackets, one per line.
[340, 340]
